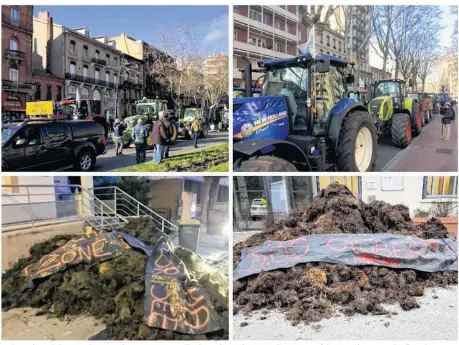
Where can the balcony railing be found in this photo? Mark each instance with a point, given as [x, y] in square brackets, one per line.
[17, 86]
[99, 61]
[89, 80]
[16, 22]
[14, 54]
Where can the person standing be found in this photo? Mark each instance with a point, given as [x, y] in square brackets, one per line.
[159, 138]
[139, 135]
[195, 128]
[446, 120]
[118, 129]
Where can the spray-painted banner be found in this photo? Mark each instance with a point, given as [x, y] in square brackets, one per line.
[89, 248]
[395, 251]
[172, 300]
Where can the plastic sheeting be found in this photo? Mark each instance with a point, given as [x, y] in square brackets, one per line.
[388, 250]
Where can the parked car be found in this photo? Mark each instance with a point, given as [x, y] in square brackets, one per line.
[52, 145]
[258, 209]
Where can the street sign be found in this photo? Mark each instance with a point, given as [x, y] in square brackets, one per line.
[39, 108]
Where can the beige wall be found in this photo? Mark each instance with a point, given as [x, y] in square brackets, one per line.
[128, 46]
[165, 195]
[16, 244]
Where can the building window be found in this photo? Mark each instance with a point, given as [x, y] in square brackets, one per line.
[321, 38]
[38, 92]
[255, 15]
[236, 35]
[49, 96]
[277, 46]
[13, 44]
[84, 93]
[223, 194]
[115, 61]
[85, 51]
[328, 40]
[85, 71]
[72, 48]
[236, 8]
[300, 35]
[14, 74]
[59, 93]
[334, 43]
[439, 187]
[279, 25]
[72, 92]
[107, 77]
[107, 56]
[97, 74]
[72, 67]
[15, 15]
[339, 44]
[115, 78]
[97, 54]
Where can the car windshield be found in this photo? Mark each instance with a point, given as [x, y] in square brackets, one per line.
[8, 132]
[257, 203]
[391, 89]
[442, 96]
[145, 109]
[285, 81]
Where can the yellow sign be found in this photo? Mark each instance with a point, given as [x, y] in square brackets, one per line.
[39, 108]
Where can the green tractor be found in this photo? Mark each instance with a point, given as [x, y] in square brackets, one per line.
[187, 117]
[394, 112]
[147, 110]
[222, 116]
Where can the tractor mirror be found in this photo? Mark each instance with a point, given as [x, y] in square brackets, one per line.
[350, 79]
[323, 64]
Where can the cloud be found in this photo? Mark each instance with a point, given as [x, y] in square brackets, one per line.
[217, 29]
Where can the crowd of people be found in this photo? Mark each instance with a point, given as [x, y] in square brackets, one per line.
[161, 136]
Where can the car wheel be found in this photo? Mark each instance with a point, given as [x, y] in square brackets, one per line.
[85, 161]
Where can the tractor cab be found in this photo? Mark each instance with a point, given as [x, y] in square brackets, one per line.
[83, 109]
[150, 108]
[300, 116]
[393, 88]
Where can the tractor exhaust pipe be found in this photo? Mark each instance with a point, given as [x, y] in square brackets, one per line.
[247, 76]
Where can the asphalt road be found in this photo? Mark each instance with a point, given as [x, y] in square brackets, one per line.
[436, 319]
[110, 161]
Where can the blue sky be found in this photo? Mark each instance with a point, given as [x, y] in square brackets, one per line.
[210, 23]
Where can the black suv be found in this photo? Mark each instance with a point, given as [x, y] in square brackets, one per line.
[51, 145]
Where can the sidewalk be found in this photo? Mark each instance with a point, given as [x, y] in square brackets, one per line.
[428, 152]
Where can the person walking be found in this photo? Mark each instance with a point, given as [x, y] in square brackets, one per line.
[195, 127]
[139, 135]
[159, 138]
[447, 120]
[118, 129]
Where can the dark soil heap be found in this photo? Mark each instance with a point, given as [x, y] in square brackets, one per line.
[310, 292]
[112, 291]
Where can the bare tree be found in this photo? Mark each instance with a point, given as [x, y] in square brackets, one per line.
[182, 52]
[215, 84]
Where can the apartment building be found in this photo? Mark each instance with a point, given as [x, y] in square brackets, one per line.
[215, 64]
[330, 42]
[379, 74]
[89, 66]
[48, 87]
[17, 33]
[141, 51]
[263, 32]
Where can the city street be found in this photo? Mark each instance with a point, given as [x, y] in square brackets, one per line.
[110, 161]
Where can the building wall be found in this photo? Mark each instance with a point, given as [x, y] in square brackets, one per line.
[21, 31]
[44, 81]
[330, 42]
[128, 45]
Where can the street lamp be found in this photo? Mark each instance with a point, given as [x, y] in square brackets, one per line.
[117, 84]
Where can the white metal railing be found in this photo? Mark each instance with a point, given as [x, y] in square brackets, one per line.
[34, 204]
[127, 206]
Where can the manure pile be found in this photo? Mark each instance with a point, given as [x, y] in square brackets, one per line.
[112, 291]
[313, 291]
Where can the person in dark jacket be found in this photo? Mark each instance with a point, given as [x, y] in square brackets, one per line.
[118, 129]
[447, 120]
[140, 135]
[169, 133]
[159, 137]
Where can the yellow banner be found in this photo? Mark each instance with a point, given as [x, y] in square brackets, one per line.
[39, 108]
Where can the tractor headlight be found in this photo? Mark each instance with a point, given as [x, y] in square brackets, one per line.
[308, 102]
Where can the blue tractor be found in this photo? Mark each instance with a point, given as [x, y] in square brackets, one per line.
[303, 120]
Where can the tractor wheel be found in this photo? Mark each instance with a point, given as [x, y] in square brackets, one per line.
[265, 163]
[205, 131]
[401, 130]
[174, 136]
[416, 119]
[357, 143]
